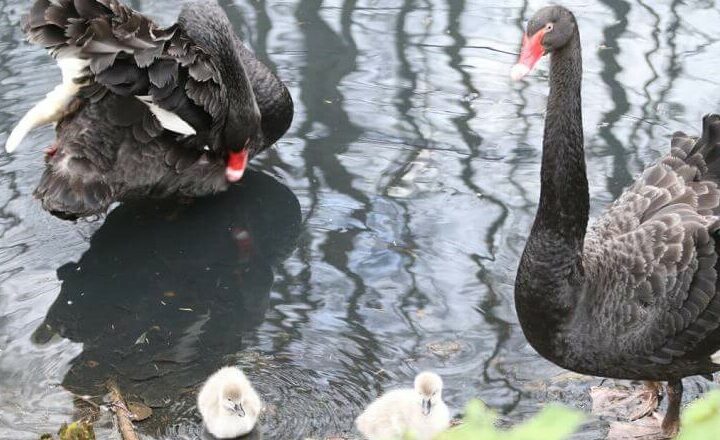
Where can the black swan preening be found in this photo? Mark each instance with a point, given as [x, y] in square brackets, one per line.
[635, 296]
[145, 111]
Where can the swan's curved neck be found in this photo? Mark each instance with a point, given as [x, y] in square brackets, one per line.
[550, 276]
[206, 23]
[564, 199]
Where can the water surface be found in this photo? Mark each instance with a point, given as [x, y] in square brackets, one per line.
[379, 238]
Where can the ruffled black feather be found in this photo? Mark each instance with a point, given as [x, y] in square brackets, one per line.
[110, 147]
[130, 55]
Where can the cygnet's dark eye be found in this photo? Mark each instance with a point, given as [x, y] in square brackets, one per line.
[549, 27]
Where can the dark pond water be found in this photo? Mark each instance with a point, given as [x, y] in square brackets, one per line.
[380, 237]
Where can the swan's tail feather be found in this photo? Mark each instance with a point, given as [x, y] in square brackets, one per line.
[70, 198]
[101, 31]
[59, 25]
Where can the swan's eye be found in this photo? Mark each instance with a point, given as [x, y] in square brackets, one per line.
[549, 27]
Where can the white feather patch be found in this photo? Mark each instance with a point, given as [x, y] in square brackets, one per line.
[52, 108]
[715, 358]
[169, 120]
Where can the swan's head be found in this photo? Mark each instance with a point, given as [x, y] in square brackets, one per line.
[241, 138]
[231, 400]
[550, 29]
[429, 386]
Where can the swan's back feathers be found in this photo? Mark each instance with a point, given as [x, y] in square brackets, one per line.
[651, 262]
[117, 148]
[129, 54]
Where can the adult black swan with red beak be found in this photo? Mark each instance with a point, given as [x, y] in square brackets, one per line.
[145, 111]
[635, 296]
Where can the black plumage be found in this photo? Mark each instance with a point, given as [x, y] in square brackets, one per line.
[197, 69]
[635, 295]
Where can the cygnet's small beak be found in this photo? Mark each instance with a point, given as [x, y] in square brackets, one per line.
[426, 406]
[239, 410]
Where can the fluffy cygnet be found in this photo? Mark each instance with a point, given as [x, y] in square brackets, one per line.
[228, 404]
[420, 412]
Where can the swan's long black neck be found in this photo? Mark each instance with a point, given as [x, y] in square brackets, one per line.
[206, 23]
[564, 200]
[550, 276]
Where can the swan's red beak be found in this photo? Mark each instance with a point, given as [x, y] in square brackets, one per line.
[237, 161]
[531, 52]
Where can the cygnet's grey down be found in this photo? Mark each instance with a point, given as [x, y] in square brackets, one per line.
[229, 404]
[419, 412]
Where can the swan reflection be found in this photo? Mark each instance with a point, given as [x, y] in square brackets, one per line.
[166, 292]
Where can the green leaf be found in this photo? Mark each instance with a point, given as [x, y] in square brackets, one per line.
[479, 420]
[701, 419]
[552, 423]
[77, 431]
[479, 415]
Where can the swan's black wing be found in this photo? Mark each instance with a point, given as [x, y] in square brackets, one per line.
[115, 149]
[653, 259]
[128, 54]
[90, 142]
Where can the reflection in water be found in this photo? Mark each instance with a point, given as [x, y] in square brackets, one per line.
[328, 132]
[166, 293]
[474, 141]
[415, 162]
[327, 128]
[620, 177]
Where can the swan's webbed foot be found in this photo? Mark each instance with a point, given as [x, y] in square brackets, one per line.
[638, 407]
[626, 403]
[648, 428]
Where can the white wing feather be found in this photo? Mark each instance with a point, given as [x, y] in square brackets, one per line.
[52, 108]
[169, 120]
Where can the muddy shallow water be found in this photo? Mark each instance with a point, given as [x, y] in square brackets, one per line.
[380, 237]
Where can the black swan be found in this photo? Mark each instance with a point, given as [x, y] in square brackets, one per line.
[635, 296]
[145, 111]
